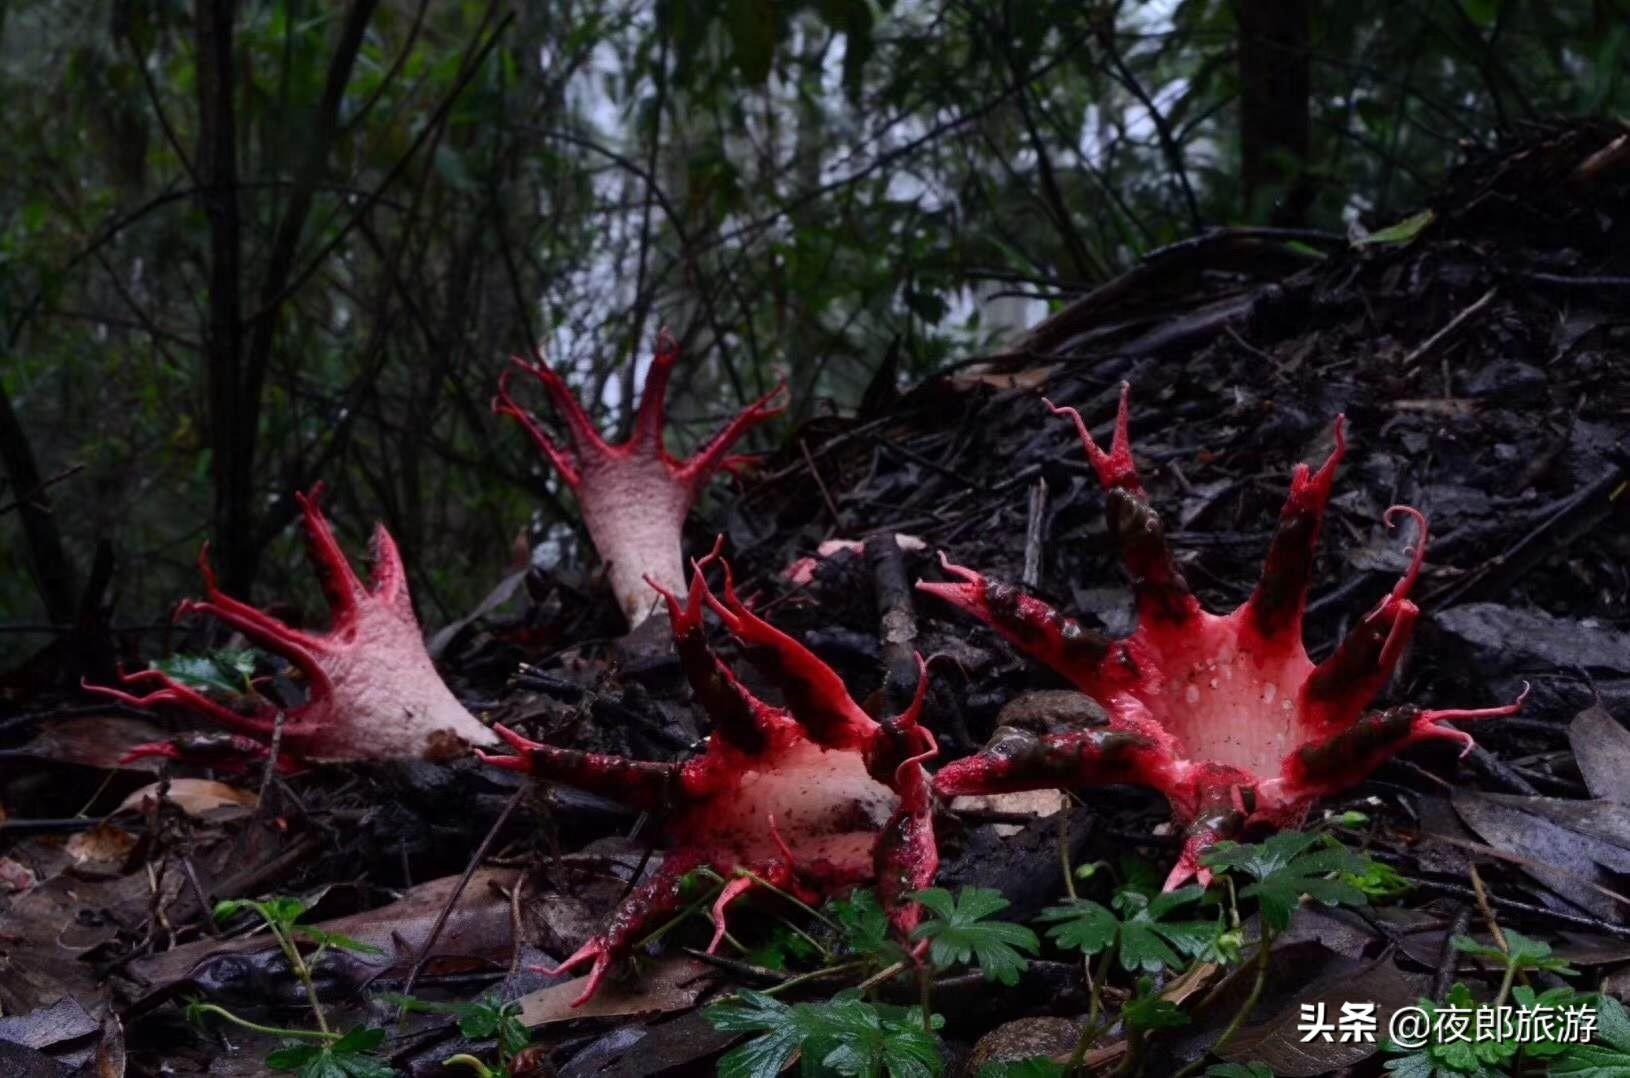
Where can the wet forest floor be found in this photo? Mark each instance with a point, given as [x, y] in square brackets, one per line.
[1480, 354]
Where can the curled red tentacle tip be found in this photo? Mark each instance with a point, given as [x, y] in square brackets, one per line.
[1499, 712]
[1418, 558]
[962, 572]
[902, 772]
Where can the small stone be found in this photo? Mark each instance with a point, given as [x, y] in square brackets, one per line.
[1023, 1038]
[1052, 711]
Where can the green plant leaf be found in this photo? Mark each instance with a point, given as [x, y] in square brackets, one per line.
[1039, 1067]
[482, 1019]
[1400, 233]
[846, 1035]
[959, 932]
[1147, 1011]
[1081, 925]
[781, 1037]
[1144, 940]
[860, 1038]
[1145, 935]
[224, 673]
[349, 1057]
[1285, 868]
[293, 1056]
[1379, 880]
[280, 912]
[865, 926]
[1608, 1053]
[334, 940]
[1525, 954]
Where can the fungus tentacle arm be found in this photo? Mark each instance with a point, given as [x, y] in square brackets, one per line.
[372, 691]
[1337, 761]
[1225, 714]
[1157, 583]
[634, 496]
[1091, 660]
[813, 797]
[651, 903]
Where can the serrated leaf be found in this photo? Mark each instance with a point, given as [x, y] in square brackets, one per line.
[754, 1012]
[1525, 953]
[846, 1035]
[959, 933]
[349, 1057]
[1608, 1054]
[1285, 869]
[1082, 925]
[1144, 941]
[865, 926]
[762, 1056]
[292, 1057]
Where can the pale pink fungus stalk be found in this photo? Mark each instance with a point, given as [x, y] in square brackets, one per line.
[1225, 714]
[372, 691]
[634, 496]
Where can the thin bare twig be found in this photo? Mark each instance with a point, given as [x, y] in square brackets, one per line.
[463, 882]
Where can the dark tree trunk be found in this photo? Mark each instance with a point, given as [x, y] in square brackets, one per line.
[46, 557]
[1275, 85]
[238, 351]
[233, 418]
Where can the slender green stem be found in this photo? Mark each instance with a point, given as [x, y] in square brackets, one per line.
[1264, 955]
[794, 899]
[1093, 1029]
[1096, 1004]
[815, 975]
[1132, 1062]
[803, 978]
[1064, 851]
[925, 996]
[826, 955]
[1506, 982]
[284, 934]
[255, 1027]
[668, 925]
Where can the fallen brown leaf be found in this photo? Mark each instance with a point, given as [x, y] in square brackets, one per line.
[195, 797]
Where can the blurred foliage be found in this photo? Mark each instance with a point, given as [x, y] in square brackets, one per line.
[790, 186]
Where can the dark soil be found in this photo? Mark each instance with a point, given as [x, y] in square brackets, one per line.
[1483, 365]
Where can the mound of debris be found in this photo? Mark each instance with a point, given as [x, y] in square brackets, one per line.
[1478, 351]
